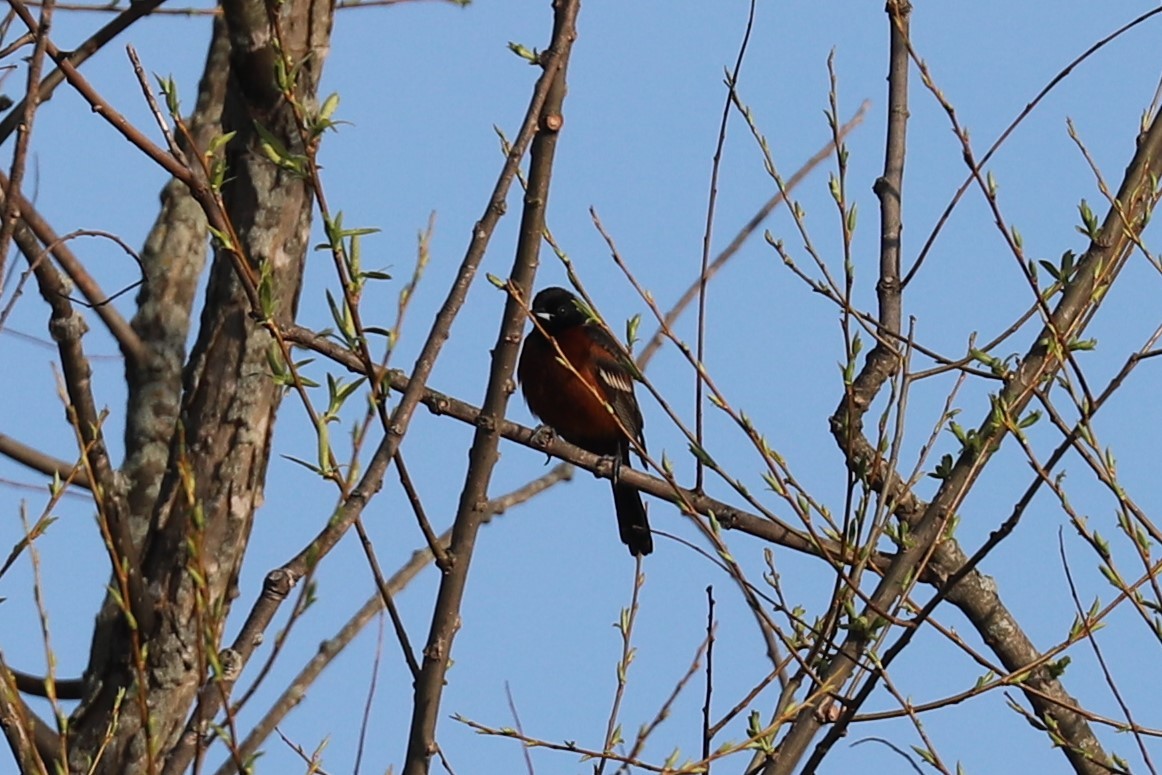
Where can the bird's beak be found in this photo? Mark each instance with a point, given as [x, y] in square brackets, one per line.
[542, 316]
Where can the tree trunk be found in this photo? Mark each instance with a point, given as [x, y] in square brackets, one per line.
[217, 453]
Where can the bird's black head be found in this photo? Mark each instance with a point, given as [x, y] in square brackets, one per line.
[556, 308]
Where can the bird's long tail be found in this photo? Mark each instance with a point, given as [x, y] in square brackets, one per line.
[631, 517]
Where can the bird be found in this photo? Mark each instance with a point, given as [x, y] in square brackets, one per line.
[591, 405]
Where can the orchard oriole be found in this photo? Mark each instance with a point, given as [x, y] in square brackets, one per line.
[591, 405]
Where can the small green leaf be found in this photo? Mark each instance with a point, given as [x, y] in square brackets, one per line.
[1089, 225]
[532, 56]
[218, 142]
[1082, 344]
[943, 468]
[328, 107]
[701, 454]
[169, 90]
[631, 328]
[1030, 419]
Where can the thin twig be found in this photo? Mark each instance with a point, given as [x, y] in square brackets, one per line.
[706, 737]
[624, 626]
[712, 200]
[745, 233]
[992, 149]
[24, 132]
[544, 116]
[1101, 660]
[519, 727]
[371, 684]
[333, 646]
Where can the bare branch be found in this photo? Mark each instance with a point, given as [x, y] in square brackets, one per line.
[39, 461]
[332, 647]
[549, 97]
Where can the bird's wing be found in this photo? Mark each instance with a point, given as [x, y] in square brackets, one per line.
[617, 381]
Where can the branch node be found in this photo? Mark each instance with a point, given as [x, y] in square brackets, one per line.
[67, 329]
[231, 663]
[278, 583]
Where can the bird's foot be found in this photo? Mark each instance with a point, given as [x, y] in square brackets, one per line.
[612, 464]
[542, 437]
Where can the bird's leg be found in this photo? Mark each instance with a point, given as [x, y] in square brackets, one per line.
[615, 470]
[543, 436]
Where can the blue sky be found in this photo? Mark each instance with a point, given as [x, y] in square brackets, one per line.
[422, 85]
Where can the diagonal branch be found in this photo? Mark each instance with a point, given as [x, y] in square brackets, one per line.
[483, 455]
[24, 132]
[975, 594]
[67, 328]
[279, 582]
[329, 649]
[39, 461]
[32, 741]
[77, 57]
[32, 231]
[655, 342]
